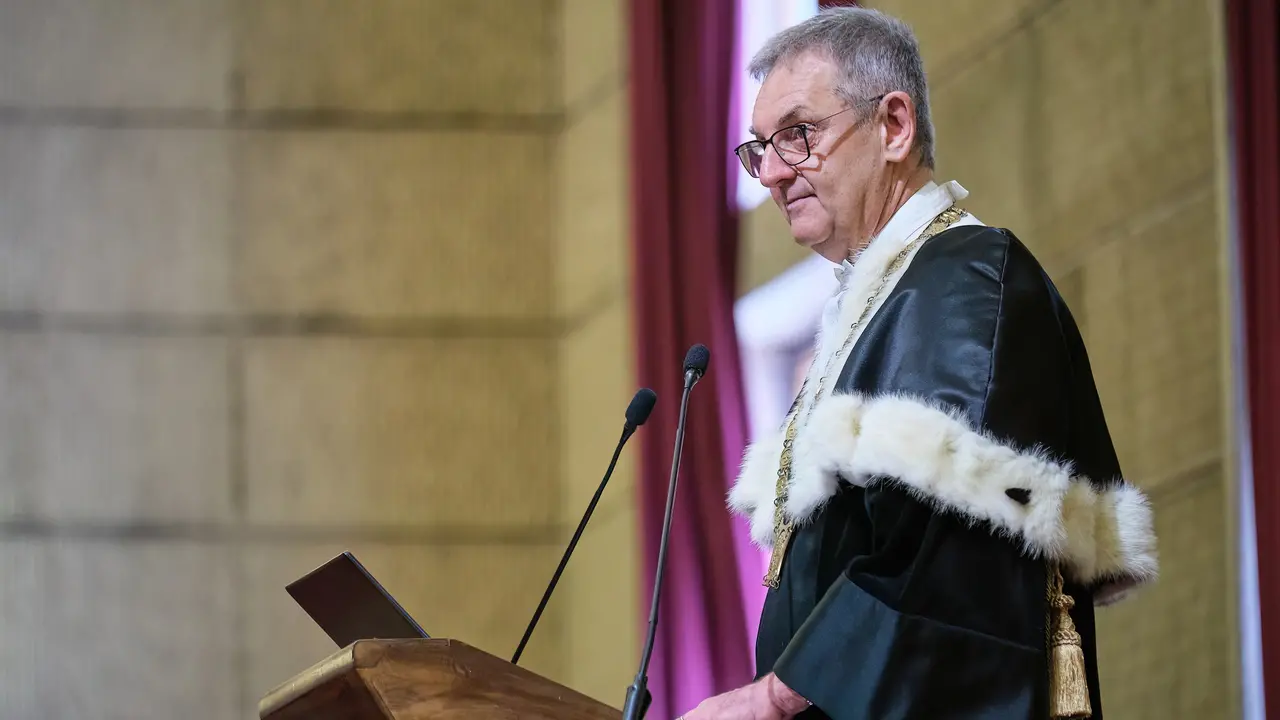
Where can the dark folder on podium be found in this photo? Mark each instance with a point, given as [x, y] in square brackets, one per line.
[348, 604]
[389, 667]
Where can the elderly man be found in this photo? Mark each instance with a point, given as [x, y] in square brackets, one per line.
[943, 503]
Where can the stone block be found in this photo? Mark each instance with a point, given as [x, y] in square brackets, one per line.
[114, 428]
[1104, 289]
[119, 54]
[1176, 353]
[1120, 131]
[593, 50]
[602, 644]
[1070, 285]
[1153, 336]
[114, 221]
[985, 139]
[482, 595]
[1060, 137]
[953, 35]
[396, 225]
[439, 57]
[1165, 653]
[592, 245]
[596, 384]
[117, 630]
[401, 432]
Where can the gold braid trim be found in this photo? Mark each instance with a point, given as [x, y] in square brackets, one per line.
[784, 528]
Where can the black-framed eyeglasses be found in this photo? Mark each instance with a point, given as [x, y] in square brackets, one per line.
[791, 143]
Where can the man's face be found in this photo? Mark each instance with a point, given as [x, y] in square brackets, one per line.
[822, 197]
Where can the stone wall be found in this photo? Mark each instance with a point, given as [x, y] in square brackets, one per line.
[597, 367]
[283, 279]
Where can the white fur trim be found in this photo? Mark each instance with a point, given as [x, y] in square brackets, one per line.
[754, 499]
[1103, 537]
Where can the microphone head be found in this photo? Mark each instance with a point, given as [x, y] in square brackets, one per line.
[640, 407]
[697, 358]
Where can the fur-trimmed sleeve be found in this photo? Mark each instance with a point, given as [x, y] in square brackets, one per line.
[987, 457]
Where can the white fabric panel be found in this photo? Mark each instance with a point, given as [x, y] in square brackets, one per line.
[758, 20]
[776, 324]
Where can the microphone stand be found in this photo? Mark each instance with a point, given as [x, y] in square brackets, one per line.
[638, 691]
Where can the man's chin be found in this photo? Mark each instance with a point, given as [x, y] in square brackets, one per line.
[807, 239]
[824, 246]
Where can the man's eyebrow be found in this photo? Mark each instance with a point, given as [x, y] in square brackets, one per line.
[788, 118]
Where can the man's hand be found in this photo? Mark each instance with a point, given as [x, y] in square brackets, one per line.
[765, 699]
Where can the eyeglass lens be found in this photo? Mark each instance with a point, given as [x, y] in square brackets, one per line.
[791, 144]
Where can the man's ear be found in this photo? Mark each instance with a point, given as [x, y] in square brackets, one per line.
[898, 133]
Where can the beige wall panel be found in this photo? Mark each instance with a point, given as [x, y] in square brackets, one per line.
[1106, 325]
[114, 428]
[592, 246]
[596, 377]
[1037, 107]
[1070, 286]
[439, 56]
[950, 32]
[604, 636]
[1176, 356]
[596, 384]
[136, 630]
[481, 595]
[1163, 653]
[401, 432]
[593, 51]
[1120, 131]
[1152, 309]
[114, 53]
[100, 221]
[395, 224]
[981, 119]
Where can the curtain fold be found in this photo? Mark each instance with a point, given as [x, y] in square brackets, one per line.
[684, 260]
[1253, 28]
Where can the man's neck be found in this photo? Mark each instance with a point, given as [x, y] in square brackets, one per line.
[899, 192]
[892, 195]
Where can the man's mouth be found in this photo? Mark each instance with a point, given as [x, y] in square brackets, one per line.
[791, 203]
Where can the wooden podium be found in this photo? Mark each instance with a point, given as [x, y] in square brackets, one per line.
[419, 679]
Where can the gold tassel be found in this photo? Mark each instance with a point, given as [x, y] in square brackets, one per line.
[1068, 684]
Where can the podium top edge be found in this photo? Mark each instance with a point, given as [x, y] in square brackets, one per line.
[333, 666]
[352, 657]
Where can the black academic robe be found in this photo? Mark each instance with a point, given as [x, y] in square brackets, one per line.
[961, 449]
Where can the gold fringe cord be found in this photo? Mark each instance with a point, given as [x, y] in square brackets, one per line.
[1068, 684]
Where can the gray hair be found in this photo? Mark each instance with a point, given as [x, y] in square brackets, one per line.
[875, 53]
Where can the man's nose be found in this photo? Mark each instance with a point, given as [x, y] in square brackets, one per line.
[773, 169]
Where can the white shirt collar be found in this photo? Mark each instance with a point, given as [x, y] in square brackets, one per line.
[912, 218]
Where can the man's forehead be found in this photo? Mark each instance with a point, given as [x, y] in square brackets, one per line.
[797, 86]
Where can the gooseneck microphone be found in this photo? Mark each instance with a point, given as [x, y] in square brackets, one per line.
[695, 366]
[637, 413]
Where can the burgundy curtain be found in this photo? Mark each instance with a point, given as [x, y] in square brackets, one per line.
[1253, 28]
[684, 257]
